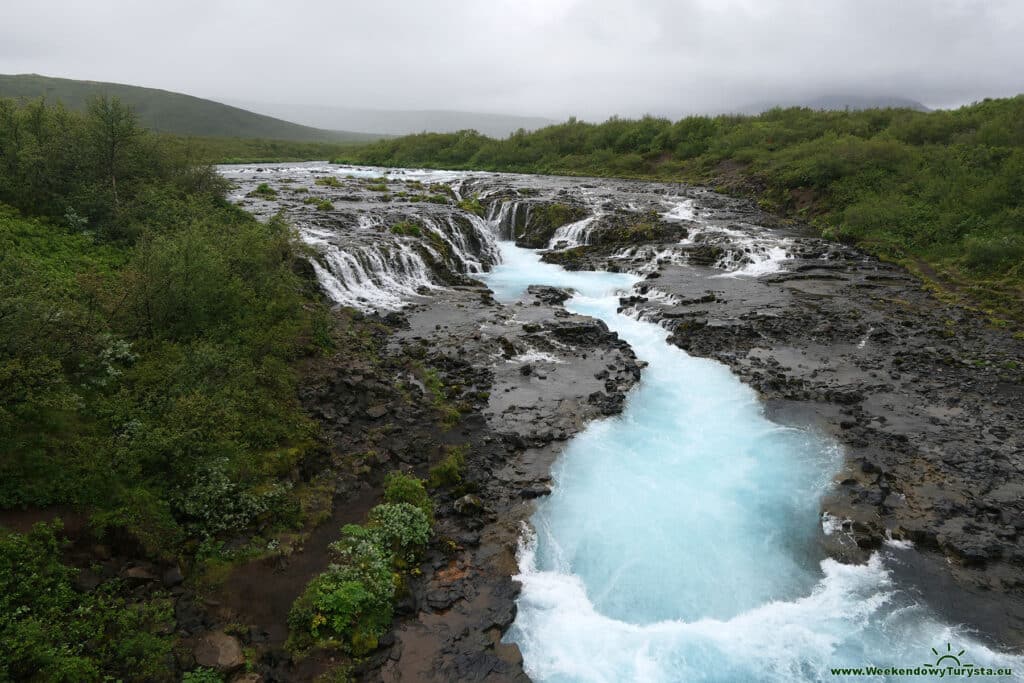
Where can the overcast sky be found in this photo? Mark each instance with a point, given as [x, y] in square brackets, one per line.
[591, 58]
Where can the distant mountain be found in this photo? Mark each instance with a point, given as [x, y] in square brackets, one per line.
[171, 112]
[399, 122]
[838, 103]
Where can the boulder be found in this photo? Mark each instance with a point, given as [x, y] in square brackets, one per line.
[219, 651]
[469, 505]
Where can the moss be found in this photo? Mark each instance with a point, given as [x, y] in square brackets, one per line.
[407, 229]
[448, 472]
[473, 205]
[544, 220]
[263, 191]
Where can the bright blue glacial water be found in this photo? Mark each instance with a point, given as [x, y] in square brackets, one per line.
[680, 543]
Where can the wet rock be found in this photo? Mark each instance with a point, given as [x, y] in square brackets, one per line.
[535, 491]
[552, 296]
[87, 580]
[219, 651]
[140, 574]
[377, 411]
[469, 504]
[172, 577]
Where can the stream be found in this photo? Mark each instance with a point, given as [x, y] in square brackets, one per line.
[680, 541]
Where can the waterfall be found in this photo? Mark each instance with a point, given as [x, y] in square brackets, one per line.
[375, 269]
[573, 234]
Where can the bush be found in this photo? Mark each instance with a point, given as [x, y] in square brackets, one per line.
[264, 191]
[401, 528]
[994, 253]
[52, 632]
[351, 602]
[405, 488]
[448, 472]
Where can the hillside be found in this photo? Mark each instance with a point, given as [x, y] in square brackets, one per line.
[170, 112]
[400, 122]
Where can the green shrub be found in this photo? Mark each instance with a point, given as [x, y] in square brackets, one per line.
[324, 205]
[377, 187]
[351, 602]
[995, 253]
[202, 674]
[448, 472]
[401, 528]
[405, 488]
[263, 190]
[52, 632]
[328, 181]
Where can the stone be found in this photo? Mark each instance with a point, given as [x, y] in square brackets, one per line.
[469, 505]
[219, 651]
[535, 491]
[173, 577]
[139, 574]
[377, 411]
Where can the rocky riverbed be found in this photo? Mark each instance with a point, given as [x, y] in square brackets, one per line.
[925, 398]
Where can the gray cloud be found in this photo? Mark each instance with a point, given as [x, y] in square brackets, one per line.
[592, 58]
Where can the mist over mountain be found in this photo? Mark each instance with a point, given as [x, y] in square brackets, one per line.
[398, 122]
[841, 102]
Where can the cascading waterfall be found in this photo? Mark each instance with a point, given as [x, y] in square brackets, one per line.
[387, 272]
[578, 233]
[679, 543]
[572, 234]
[364, 277]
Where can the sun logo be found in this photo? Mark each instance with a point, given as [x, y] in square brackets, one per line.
[947, 658]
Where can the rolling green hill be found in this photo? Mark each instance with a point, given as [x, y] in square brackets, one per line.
[170, 112]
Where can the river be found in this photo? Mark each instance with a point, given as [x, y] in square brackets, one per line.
[680, 543]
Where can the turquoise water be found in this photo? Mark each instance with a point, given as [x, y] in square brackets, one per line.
[681, 540]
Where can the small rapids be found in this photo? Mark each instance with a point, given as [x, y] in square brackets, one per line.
[679, 543]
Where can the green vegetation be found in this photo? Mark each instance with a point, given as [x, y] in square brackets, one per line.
[149, 339]
[329, 181]
[214, 150]
[324, 205]
[407, 228]
[405, 488]
[472, 205]
[941, 192]
[545, 219]
[352, 603]
[170, 112]
[448, 472]
[263, 190]
[52, 632]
